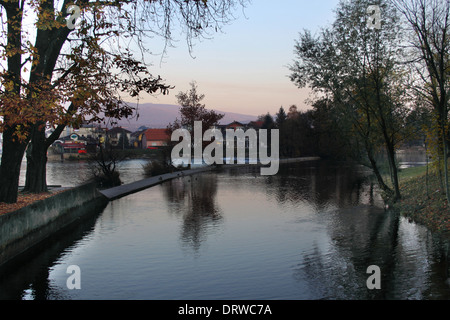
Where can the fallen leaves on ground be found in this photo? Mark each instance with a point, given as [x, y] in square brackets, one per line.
[25, 199]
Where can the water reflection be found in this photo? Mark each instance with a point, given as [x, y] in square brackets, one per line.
[76, 172]
[358, 237]
[414, 262]
[310, 232]
[360, 233]
[421, 264]
[28, 278]
[194, 199]
[324, 184]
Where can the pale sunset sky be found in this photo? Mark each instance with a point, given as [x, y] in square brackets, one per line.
[244, 68]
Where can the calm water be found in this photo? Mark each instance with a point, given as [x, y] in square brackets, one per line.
[73, 173]
[308, 233]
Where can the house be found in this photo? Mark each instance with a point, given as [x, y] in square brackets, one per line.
[137, 138]
[118, 137]
[155, 138]
[73, 143]
[235, 125]
[88, 130]
[255, 125]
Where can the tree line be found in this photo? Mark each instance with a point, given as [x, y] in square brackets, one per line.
[306, 133]
[377, 87]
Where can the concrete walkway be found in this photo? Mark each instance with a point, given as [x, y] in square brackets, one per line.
[126, 189]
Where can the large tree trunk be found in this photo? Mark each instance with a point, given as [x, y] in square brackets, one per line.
[36, 176]
[392, 164]
[379, 177]
[13, 151]
[13, 148]
[445, 156]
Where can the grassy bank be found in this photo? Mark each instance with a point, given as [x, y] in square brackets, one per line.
[423, 199]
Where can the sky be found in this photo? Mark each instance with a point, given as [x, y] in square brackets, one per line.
[244, 68]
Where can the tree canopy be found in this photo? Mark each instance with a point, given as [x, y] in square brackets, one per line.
[192, 109]
[66, 62]
[359, 69]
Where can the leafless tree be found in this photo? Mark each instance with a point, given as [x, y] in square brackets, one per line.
[429, 23]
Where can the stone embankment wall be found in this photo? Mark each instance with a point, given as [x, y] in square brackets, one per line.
[24, 228]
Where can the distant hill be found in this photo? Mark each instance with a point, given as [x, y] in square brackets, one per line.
[160, 115]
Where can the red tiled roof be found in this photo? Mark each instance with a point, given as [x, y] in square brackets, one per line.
[235, 124]
[156, 135]
[256, 124]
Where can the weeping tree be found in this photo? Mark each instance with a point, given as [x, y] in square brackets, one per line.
[67, 62]
[358, 68]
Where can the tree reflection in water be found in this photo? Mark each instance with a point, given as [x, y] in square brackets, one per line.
[361, 233]
[310, 232]
[194, 199]
[322, 184]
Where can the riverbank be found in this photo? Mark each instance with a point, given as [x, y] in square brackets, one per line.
[423, 199]
[26, 199]
[28, 226]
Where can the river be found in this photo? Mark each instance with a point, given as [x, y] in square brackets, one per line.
[310, 232]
